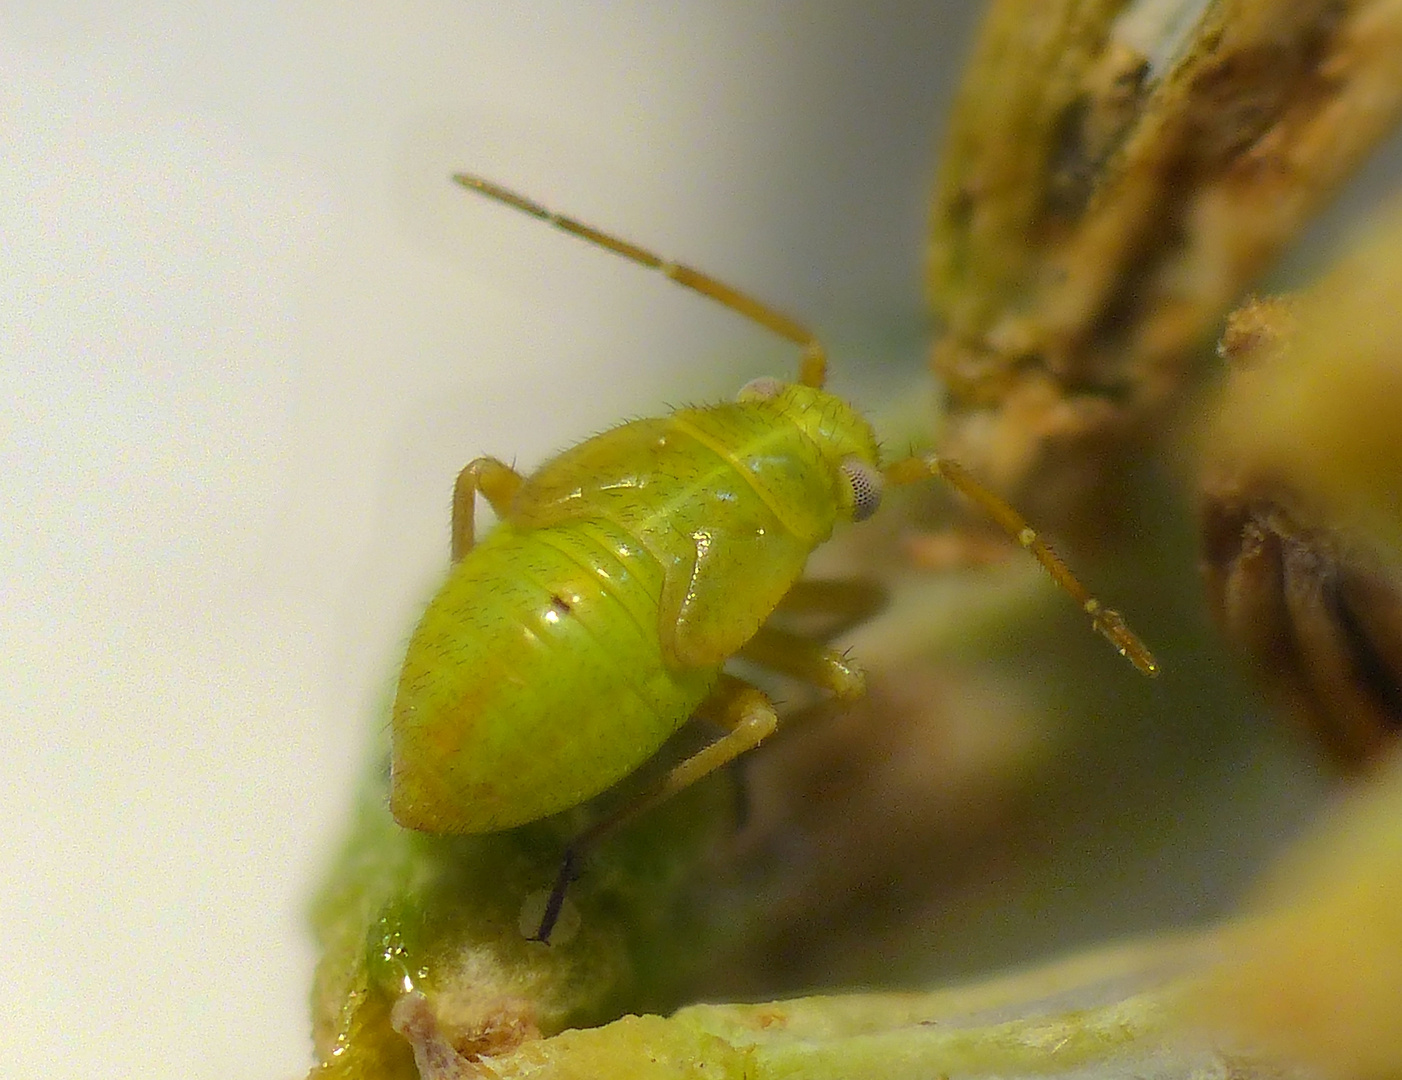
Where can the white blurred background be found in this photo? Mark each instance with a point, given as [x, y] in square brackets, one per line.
[248, 334]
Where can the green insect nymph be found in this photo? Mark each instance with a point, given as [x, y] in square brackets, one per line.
[596, 618]
[593, 621]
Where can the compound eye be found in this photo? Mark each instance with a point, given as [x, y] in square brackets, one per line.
[866, 483]
[765, 388]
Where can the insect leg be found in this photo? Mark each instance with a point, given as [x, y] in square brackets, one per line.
[496, 481]
[813, 366]
[806, 659]
[1109, 623]
[747, 716]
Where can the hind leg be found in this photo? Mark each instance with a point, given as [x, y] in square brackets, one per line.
[747, 716]
[498, 484]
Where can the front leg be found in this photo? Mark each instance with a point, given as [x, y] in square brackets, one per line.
[807, 660]
[498, 483]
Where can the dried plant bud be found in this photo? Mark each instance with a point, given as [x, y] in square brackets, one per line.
[1320, 620]
[1300, 489]
[1114, 178]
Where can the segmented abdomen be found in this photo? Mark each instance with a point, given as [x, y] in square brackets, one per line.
[534, 680]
